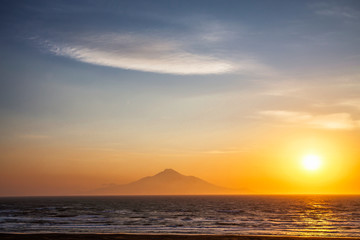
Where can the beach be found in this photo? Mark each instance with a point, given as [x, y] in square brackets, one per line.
[153, 237]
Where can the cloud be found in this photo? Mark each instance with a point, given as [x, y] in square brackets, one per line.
[337, 11]
[34, 136]
[355, 103]
[148, 54]
[329, 121]
[223, 151]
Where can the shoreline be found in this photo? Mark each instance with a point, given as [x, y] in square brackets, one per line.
[121, 236]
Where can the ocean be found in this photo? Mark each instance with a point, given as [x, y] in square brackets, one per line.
[333, 216]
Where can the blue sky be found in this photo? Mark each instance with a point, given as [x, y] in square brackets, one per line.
[175, 76]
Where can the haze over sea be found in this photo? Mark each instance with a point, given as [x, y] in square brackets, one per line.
[305, 215]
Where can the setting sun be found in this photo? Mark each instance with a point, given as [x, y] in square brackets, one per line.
[311, 162]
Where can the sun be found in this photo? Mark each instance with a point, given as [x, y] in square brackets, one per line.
[311, 162]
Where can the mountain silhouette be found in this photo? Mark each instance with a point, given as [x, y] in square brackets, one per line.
[167, 182]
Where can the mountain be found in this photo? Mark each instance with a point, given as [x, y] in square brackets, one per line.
[167, 182]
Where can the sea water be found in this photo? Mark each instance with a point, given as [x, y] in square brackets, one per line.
[334, 216]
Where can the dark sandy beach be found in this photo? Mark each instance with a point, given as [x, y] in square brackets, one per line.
[151, 237]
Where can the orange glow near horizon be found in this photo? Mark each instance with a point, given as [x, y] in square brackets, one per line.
[273, 166]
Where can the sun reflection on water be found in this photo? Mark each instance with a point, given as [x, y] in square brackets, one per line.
[318, 218]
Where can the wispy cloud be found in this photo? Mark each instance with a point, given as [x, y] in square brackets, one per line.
[328, 121]
[149, 54]
[355, 103]
[34, 136]
[225, 151]
[334, 10]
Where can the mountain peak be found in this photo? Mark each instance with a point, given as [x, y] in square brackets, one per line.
[167, 182]
[169, 173]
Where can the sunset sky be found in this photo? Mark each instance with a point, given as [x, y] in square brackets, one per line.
[234, 92]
